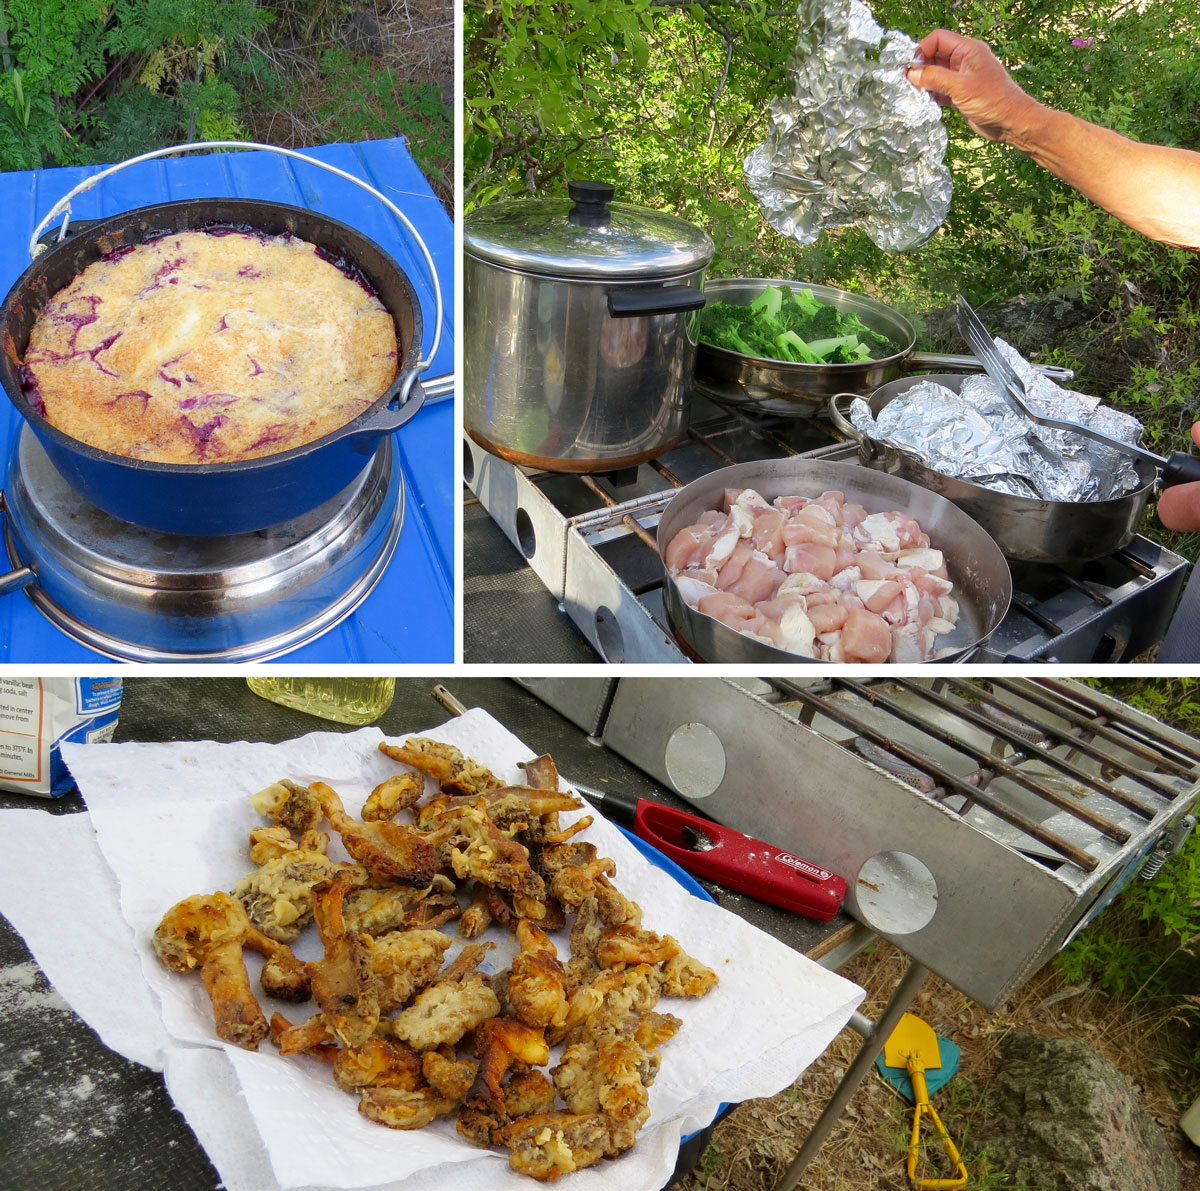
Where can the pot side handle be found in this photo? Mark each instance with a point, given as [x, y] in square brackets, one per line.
[392, 416]
[937, 362]
[632, 303]
[63, 208]
[843, 424]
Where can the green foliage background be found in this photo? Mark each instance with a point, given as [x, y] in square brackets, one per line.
[664, 98]
[1146, 946]
[85, 81]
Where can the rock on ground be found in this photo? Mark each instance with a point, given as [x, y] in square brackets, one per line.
[1061, 1117]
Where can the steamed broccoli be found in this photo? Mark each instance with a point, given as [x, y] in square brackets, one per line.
[795, 326]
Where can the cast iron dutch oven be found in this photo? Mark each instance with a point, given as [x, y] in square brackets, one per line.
[214, 498]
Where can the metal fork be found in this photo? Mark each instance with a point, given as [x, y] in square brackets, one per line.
[1179, 468]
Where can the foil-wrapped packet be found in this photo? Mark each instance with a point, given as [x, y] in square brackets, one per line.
[855, 142]
[974, 435]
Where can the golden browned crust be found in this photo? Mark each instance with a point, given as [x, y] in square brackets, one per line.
[208, 348]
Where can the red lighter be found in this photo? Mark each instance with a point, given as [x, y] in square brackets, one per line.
[726, 856]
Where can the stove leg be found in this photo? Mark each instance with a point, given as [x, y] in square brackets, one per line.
[906, 991]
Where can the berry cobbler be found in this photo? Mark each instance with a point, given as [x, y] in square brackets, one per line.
[209, 347]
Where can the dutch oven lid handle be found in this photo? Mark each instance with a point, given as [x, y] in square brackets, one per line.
[63, 207]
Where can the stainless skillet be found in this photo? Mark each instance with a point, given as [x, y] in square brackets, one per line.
[1025, 528]
[978, 570]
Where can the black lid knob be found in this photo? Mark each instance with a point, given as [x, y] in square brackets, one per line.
[591, 193]
[591, 202]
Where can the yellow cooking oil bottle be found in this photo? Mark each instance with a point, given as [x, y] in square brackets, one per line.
[347, 700]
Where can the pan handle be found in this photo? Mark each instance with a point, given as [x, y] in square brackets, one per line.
[844, 426]
[937, 362]
[63, 208]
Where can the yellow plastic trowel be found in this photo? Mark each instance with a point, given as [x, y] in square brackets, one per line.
[911, 1051]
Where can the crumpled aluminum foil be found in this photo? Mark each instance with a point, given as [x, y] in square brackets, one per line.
[855, 142]
[974, 436]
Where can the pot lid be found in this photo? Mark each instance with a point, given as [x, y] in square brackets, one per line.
[586, 236]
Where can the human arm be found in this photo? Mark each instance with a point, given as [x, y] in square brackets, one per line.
[1179, 506]
[1155, 189]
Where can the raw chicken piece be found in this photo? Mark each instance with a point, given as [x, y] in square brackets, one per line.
[866, 637]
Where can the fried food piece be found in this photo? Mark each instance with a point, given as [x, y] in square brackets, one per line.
[587, 929]
[605, 1075]
[398, 1108]
[573, 884]
[444, 1012]
[491, 856]
[278, 896]
[403, 962]
[377, 1063]
[653, 1029]
[455, 773]
[556, 857]
[269, 843]
[502, 1043]
[466, 961]
[626, 944]
[541, 773]
[390, 852]
[431, 911]
[684, 976]
[448, 1074]
[396, 794]
[309, 1037]
[627, 995]
[586, 1000]
[550, 1144]
[528, 1092]
[548, 914]
[375, 910]
[615, 908]
[283, 975]
[289, 804]
[343, 984]
[207, 931]
[476, 918]
[537, 981]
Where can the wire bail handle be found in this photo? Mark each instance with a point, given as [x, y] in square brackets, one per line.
[63, 207]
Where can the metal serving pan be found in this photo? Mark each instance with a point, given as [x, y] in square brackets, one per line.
[1025, 528]
[977, 568]
[801, 390]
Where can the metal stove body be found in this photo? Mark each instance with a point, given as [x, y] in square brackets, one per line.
[373, 582]
[979, 825]
[590, 540]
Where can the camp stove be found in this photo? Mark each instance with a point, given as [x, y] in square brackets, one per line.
[590, 540]
[979, 824]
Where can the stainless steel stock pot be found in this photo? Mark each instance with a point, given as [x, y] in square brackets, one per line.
[578, 340]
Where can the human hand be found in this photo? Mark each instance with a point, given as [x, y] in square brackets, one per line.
[1179, 506]
[963, 73]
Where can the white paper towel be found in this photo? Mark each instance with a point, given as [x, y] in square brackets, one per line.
[172, 820]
